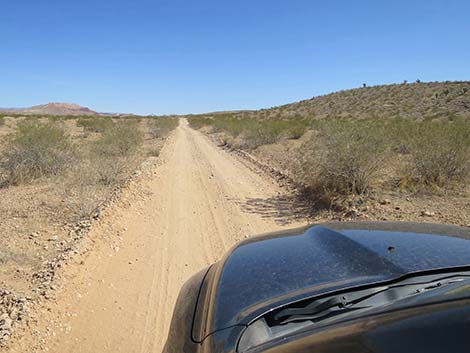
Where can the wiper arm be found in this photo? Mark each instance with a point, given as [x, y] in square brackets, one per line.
[341, 304]
[325, 308]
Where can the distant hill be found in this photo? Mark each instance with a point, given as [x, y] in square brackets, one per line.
[433, 100]
[52, 109]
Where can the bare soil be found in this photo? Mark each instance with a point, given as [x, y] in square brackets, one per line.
[181, 214]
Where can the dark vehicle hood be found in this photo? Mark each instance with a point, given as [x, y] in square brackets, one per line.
[270, 271]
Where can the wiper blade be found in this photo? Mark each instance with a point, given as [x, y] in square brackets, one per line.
[324, 308]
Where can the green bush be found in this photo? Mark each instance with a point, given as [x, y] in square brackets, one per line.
[35, 150]
[120, 140]
[343, 158]
[440, 152]
[114, 154]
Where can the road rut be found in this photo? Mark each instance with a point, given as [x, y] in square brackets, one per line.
[184, 215]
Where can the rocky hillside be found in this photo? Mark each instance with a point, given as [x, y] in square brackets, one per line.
[53, 109]
[441, 100]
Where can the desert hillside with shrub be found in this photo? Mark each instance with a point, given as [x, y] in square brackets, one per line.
[388, 152]
[428, 101]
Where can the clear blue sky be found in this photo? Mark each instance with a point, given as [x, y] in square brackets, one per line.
[174, 56]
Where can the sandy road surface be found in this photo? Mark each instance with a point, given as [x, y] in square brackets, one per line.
[185, 215]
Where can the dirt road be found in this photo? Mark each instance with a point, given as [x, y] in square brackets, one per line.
[173, 222]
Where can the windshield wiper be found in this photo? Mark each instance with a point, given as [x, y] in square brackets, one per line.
[324, 308]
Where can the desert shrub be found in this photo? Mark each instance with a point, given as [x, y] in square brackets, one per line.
[35, 150]
[114, 154]
[2, 120]
[60, 118]
[297, 128]
[12, 256]
[111, 171]
[440, 152]
[253, 132]
[95, 124]
[153, 152]
[343, 158]
[55, 118]
[199, 122]
[258, 133]
[120, 140]
[160, 127]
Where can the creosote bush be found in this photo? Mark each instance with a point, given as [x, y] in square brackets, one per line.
[440, 153]
[343, 158]
[116, 150]
[120, 140]
[35, 150]
[161, 126]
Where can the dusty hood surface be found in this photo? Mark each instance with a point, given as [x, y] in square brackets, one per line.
[273, 270]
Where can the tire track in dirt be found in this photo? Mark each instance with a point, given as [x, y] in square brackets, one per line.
[170, 224]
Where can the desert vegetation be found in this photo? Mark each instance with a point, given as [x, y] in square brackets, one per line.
[440, 152]
[251, 133]
[347, 157]
[55, 171]
[33, 151]
[342, 157]
[94, 124]
[354, 149]
[419, 100]
[161, 127]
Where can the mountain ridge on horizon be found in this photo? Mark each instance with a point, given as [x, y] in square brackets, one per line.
[52, 108]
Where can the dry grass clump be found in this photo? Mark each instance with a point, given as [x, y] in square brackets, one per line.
[33, 151]
[2, 120]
